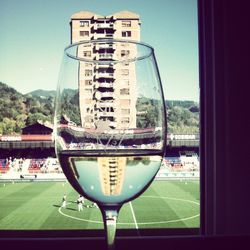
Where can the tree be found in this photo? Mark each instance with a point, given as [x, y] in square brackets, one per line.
[7, 126]
[194, 109]
[33, 118]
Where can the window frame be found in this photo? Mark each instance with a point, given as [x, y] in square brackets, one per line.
[126, 33]
[213, 16]
[126, 23]
[84, 23]
[84, 33]
[87, 53]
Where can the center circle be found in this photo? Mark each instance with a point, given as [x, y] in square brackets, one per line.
[143, 223]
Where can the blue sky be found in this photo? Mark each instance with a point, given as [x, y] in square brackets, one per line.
[33, 34]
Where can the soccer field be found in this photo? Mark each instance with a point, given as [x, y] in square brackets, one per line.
[36, 206]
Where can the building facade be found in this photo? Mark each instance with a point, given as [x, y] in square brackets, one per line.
[107, 91]
[88, 26]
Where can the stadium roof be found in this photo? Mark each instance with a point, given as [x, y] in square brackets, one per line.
[38, 128]
[26, 144]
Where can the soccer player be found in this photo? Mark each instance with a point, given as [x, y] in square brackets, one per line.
[63, 201]
[94, 205]
[79, 202]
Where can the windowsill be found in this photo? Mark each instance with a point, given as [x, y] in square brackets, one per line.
[70, 234]
[170, 242]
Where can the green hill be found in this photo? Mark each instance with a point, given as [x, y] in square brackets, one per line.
[42, 93]
[18, 110]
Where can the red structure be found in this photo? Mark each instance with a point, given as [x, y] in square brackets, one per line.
[36, 140]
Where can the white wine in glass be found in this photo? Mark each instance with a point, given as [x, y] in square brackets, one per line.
[110, 122]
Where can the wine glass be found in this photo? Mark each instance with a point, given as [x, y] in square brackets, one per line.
[110, 122]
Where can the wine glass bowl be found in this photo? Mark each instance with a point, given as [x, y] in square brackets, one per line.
[110, 122]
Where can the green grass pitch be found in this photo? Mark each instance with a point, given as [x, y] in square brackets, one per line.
[36, 206]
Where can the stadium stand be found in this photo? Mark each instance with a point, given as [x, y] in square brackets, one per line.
[32, 153]
[189, 160]
[35, 165]
[4, 166]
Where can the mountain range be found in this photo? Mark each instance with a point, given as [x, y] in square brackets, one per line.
[42, 93]
[19, 110]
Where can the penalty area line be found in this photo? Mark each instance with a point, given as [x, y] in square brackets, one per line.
[133, 214]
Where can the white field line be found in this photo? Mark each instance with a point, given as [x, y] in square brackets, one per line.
[76, 218]
[141, 223]
[133, 214]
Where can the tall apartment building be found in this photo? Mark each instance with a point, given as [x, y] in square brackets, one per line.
[87, 25]
[107, 92]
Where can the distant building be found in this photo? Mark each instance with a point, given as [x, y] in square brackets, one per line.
[38, 128]
[107, 92]
[100, 93]
[88, 26]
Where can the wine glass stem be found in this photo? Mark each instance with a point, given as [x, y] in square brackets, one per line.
[110, 218]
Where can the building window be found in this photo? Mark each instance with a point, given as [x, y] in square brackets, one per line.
[125, 120]
[125, 111]
[125, 64]
[125, 102]
[88, 119]
[124, 72]
[88, 65]
[125, 45]
[88, 82]
[124, 53]
[88, 101]
[125, 82]
[84, 33]
[88, 91]
[88, 72]
[87, 53]
[126, 33]
[84, 23]
[126, 23]
[124, 91]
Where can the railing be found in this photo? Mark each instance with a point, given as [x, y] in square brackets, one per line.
[103, 35]
[104, 113]
[104, 46]
[104, 74]
[101, 66]
[103, 25]
[107, 94]
[104, 85]
[104, 56]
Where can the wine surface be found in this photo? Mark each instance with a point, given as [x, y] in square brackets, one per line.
[110, 178]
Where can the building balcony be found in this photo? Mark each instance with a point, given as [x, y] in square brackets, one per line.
[104, 56]
[87, 95]
[105, 114]
[103, 26]
[104, 75]
[102, 35]
[103, 66]
[99, 95]
[104, 85]
[107, 94]
[113, 124]
[103, 105]
[104, 46]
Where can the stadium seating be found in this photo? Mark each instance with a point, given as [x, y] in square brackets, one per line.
[173, 163]
[4, 166]
[35, 165]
